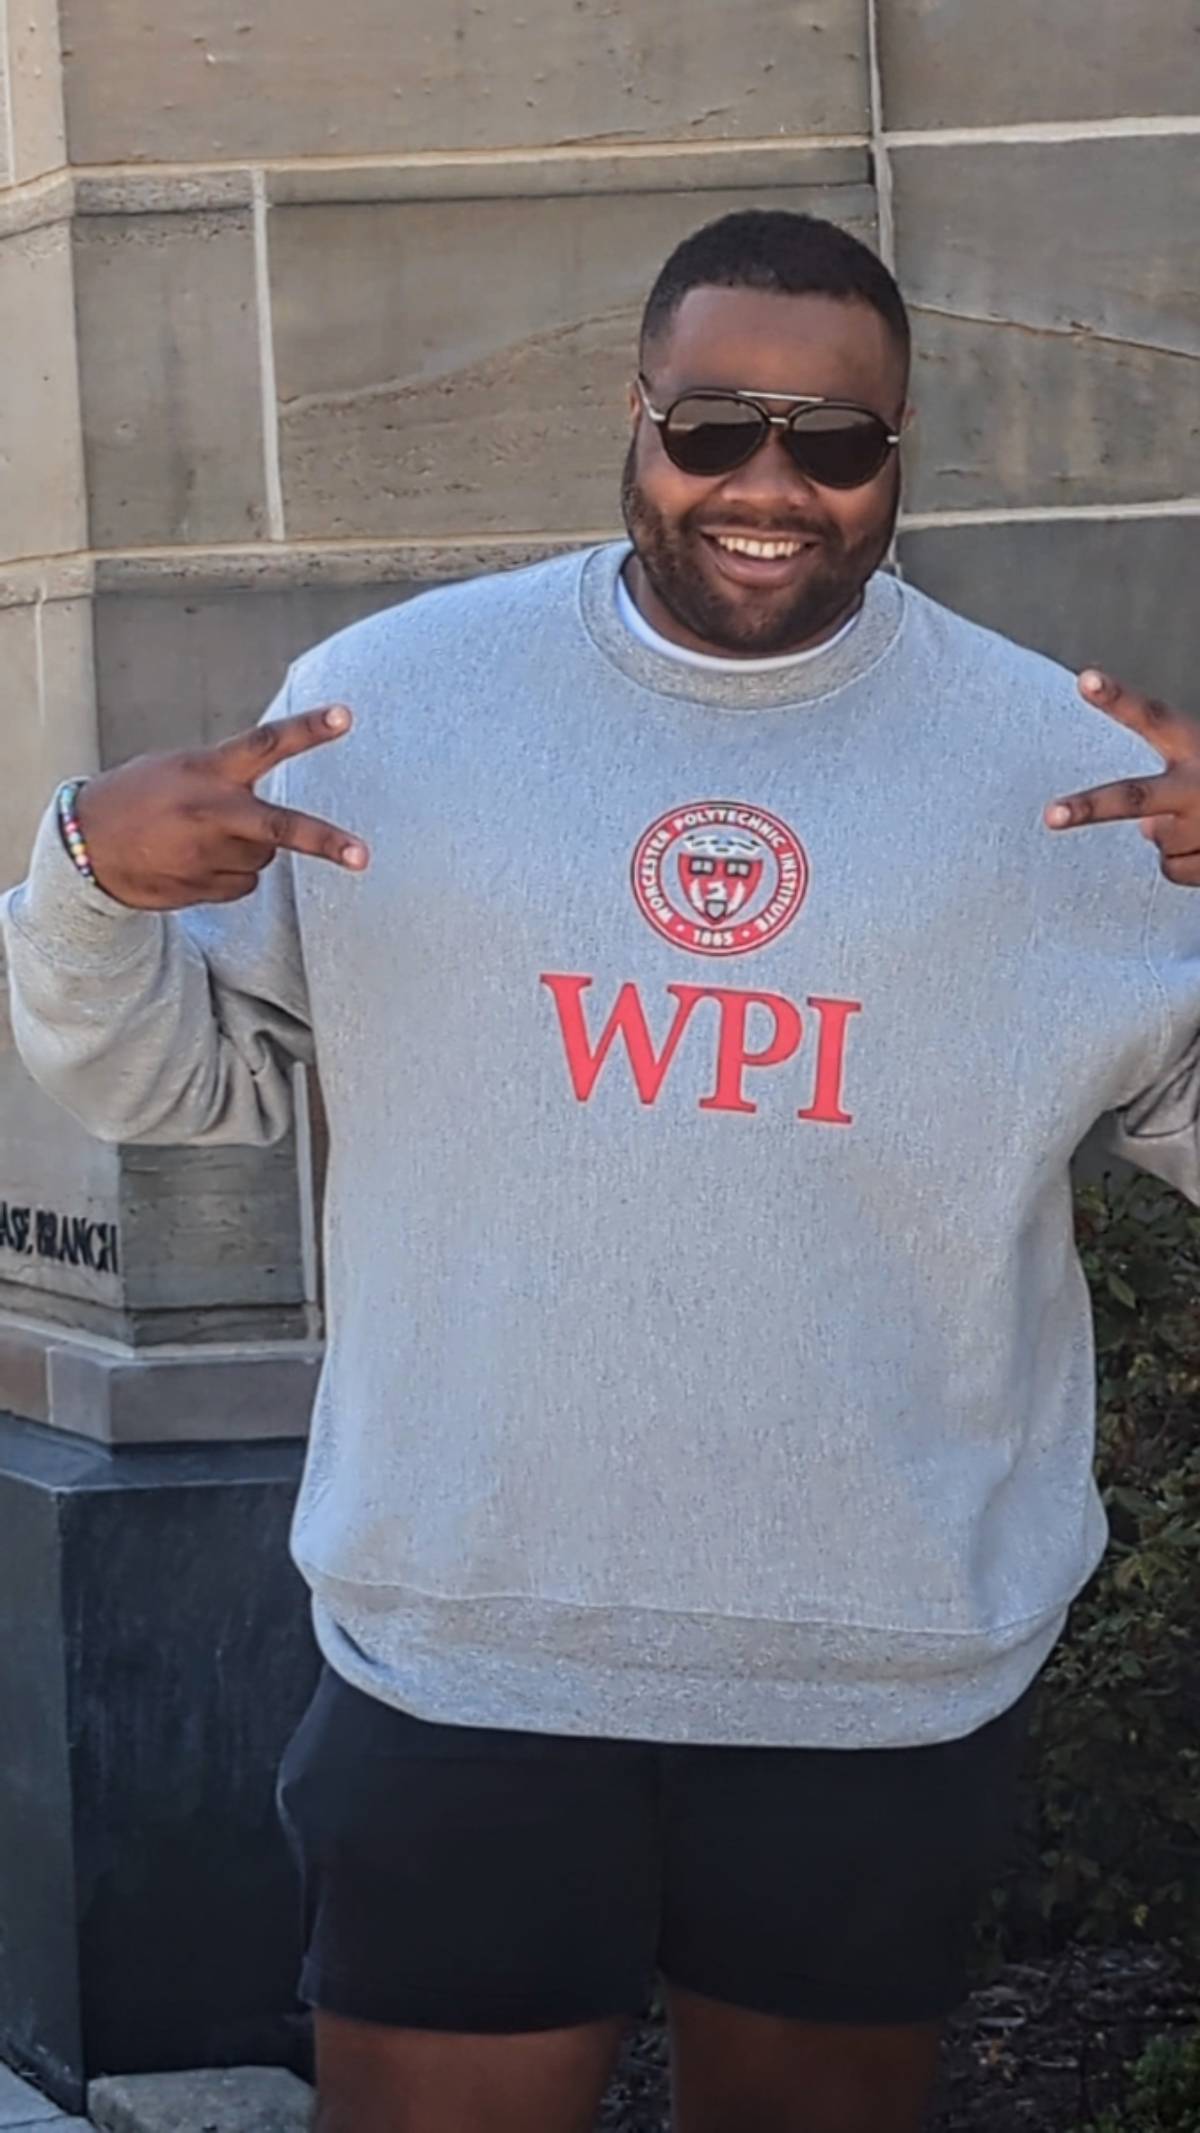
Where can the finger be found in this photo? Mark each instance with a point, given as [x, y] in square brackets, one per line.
[1175, 835]
[229, 888]
[1129, 800]
[184, 892]
[287, 829]
[254, 832]
[243, 833]
[248, 756]
[1175, 736]
[1184, 872]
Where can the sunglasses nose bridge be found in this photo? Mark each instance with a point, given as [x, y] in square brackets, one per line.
[770, 466]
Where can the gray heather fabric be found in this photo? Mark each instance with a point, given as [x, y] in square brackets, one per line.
[709, 1358]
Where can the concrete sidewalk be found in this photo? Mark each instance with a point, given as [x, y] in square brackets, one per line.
[244, 2099]
[26, 2110]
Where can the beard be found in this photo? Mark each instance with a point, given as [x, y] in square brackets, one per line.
[742, 622]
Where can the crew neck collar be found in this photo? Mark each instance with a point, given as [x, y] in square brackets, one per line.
[876, 628]
[712, 662]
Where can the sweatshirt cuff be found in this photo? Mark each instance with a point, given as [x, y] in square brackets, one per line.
[69, 918]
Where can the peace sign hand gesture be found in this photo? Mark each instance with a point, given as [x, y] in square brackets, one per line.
[1167, 805]
[167, 831]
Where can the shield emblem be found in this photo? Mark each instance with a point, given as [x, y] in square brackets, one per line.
[720, 872]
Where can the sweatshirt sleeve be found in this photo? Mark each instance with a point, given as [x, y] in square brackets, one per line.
[164, 1027]
[1158, 1129]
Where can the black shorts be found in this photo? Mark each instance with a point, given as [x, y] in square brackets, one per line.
[462, 1879]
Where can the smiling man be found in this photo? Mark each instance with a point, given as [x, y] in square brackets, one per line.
[701, 1472]
[732, 552]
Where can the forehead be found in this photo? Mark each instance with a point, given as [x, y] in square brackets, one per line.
[764, 342]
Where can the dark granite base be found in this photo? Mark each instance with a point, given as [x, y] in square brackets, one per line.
[155, 1656]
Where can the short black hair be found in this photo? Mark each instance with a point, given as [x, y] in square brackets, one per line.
[775, 249]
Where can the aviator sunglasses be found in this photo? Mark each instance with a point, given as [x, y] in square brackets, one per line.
[711, 431]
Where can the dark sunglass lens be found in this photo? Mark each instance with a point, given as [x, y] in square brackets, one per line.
[837, 446]
[706, 436]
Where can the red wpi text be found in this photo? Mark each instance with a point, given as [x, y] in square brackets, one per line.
[733, 1057]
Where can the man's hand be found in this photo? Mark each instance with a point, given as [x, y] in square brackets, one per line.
[1168, 805]
[166, 831]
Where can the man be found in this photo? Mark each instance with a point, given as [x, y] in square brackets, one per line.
[701, 1471]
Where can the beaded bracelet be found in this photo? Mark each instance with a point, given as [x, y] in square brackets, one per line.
[68, 823]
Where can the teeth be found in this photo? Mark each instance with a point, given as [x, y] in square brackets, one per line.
[766, 551]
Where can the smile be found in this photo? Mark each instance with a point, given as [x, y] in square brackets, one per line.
[762, 551]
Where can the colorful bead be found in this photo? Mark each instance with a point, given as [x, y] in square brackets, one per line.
[72, 835]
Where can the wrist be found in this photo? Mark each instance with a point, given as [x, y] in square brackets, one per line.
[70, 830]
[77, 923]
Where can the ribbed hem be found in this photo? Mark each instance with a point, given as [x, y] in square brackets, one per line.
[633, 1674]
[70, 919]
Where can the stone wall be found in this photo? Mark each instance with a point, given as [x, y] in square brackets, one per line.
[306, 308]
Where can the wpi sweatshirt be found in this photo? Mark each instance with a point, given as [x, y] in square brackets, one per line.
[709, 1358]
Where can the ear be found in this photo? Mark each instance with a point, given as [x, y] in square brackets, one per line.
[911, 448]
[635, 404]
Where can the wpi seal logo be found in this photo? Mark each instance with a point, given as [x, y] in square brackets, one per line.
[718, 878]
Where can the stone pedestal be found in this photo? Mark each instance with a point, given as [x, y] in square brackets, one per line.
[151, 1293]
[155, 1656]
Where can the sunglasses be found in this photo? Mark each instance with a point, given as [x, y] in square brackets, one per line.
[832, 442]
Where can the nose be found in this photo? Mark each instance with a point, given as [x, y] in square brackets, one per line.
[769, 479]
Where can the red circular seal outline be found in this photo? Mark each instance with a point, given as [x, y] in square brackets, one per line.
[693, 934]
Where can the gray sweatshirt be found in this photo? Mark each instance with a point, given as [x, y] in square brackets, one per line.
[709, 1358]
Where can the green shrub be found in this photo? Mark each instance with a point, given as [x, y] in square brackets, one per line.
[1164, 2091]
[1109, 1849]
